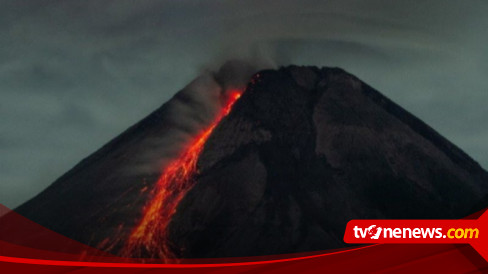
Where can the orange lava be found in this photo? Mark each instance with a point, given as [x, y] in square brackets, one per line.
[150, 237]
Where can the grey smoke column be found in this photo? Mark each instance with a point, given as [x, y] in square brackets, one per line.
[189, 112]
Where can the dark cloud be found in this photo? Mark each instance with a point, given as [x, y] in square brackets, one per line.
[74, 74]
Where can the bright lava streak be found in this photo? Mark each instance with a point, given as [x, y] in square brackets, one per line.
[150, 237]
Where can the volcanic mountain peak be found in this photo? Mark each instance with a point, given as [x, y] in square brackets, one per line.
[304, 151]
[298, 155]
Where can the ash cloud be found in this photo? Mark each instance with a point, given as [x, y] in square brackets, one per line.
[191, 111]
[74, 74]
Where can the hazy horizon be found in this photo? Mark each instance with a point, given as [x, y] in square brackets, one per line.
[75, 74]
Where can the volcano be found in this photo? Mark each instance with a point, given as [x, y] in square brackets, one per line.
[281, 167]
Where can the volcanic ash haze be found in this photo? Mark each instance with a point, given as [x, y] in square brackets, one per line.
[281, 169]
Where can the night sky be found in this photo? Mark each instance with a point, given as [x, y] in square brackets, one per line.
[74, 74]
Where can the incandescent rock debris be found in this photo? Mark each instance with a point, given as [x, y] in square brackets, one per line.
[303, 151]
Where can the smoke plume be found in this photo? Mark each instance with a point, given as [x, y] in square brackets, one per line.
[191, 110]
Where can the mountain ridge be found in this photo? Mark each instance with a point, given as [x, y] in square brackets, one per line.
[305, 180]
[303, 151]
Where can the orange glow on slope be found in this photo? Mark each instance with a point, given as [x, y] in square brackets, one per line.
[149, 238]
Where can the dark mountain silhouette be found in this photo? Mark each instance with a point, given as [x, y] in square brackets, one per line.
[302, 152]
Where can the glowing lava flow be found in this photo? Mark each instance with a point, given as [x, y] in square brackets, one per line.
[149, 238]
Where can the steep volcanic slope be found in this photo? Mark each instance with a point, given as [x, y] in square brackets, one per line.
[304, 151]
[301, 152]
[103, 201]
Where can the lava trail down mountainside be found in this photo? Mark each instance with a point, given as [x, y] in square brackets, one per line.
[150, 237]
[304, 151]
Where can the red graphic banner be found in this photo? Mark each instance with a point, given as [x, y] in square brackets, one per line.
[27, 247]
